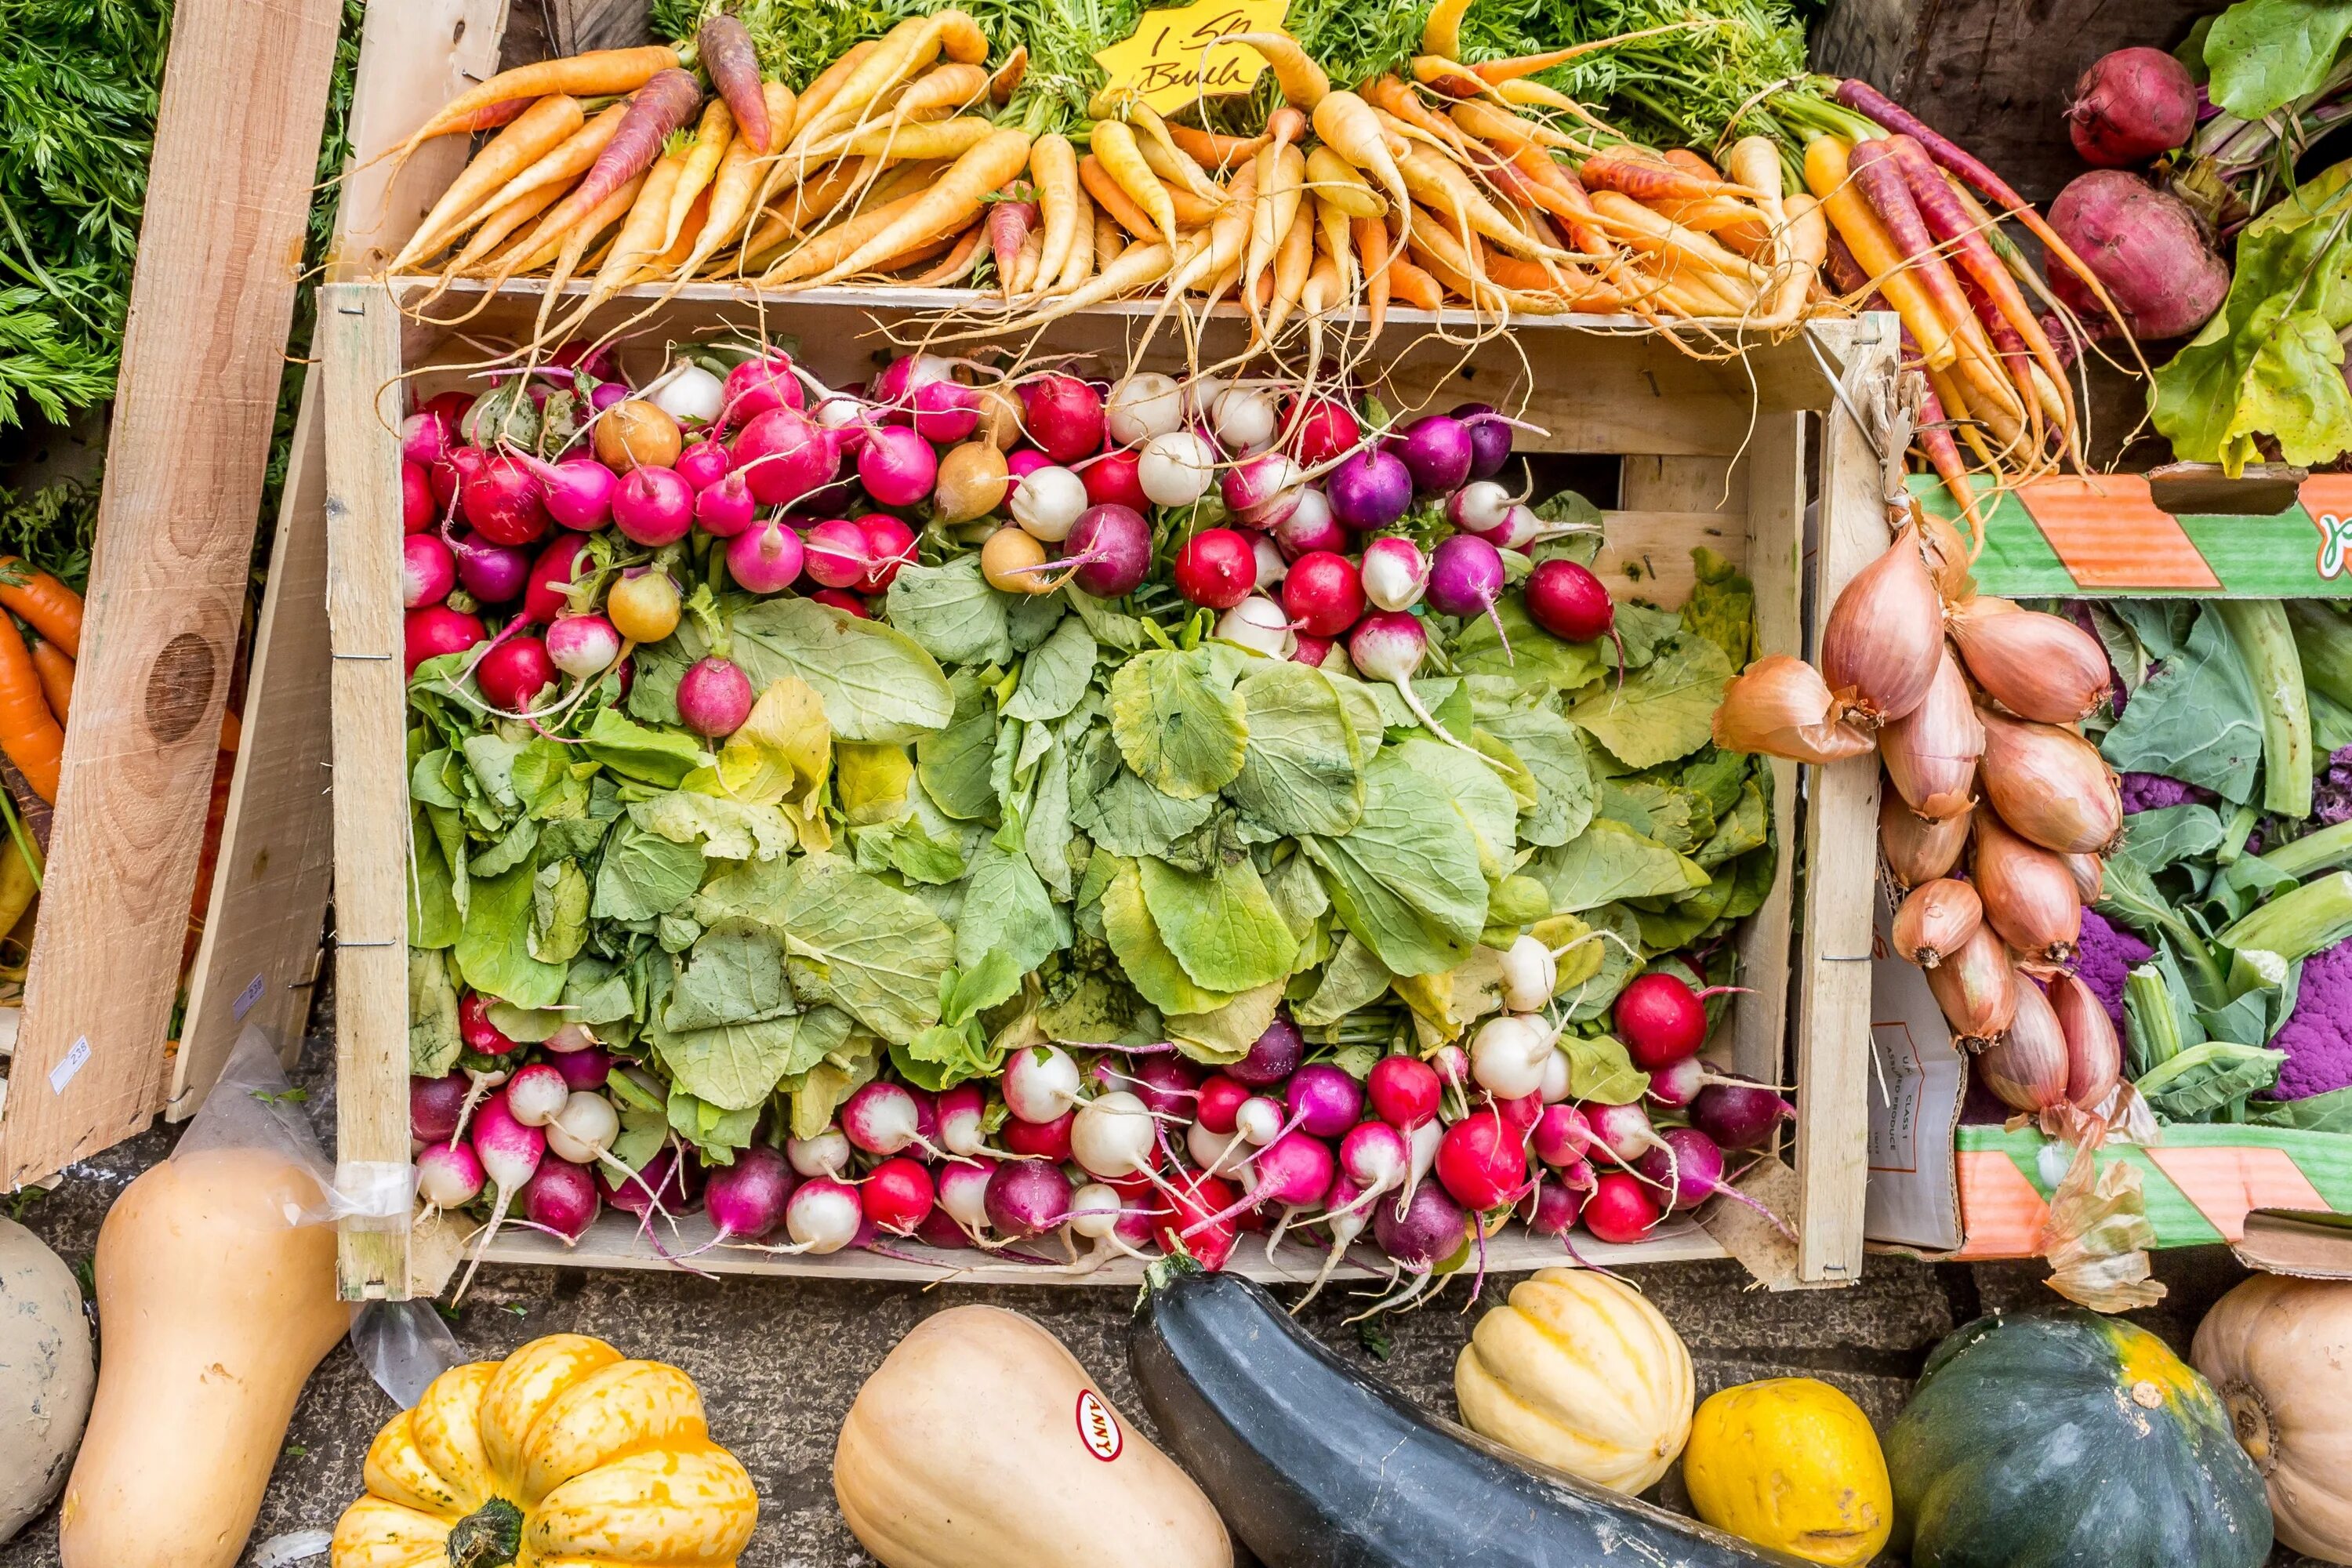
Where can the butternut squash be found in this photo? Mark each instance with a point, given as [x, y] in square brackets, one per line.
[212, 1311]
[982, 1443]
[2279, 1353]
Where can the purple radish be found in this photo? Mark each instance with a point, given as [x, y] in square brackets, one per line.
[588, 1066]
[1025, 1197]
[435, 1106]
[1325, 1100]
[1369, 491]
[746, 1200]
[1689, 1167]
[1738, 1115]
[1273, 1057]
[561, 1197]
[1490, 438]
[1109, 550]
[1437, 451]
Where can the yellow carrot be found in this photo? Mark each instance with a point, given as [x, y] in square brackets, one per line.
[1437, 182]
[1281, 180]
[1168, 160]
[640, 242]
[1292, 263]
[700, 164]
[568, 245]
[1873, 250]
[1646, 230]
[540, 128]
[564, 164]
[1080, 264]
[731, 188]
[1441, 34]
[1114, 147]
[1350, 128]
[1109, 240]
[495, 229]
[821, 91]
[1054, 169]
[1489, 123]
[1303, 82]
[1338, 182]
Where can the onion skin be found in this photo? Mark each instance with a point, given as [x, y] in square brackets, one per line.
[1931, 753]
[2038, 666]
[1976, 988]
[1937, 920]
[2051, 786]
[1917, 850]
[2026, 1066]
[2028, 893]
[2090, 874]
[1782, 707]
[2094, 1057]
[1885, 636]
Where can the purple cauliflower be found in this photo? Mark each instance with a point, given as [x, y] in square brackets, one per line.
[2318, 1037]
[2104, 953]
[2152, 792]
[2331, 790]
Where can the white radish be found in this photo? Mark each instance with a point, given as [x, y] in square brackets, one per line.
[1217, 1153]
[821, 1216]
[1259, 624]
[1145, 404]
[1112, 1136]
[1555, 1085]
[688, 394]
[1040, 1083]
[1529, 975]
[1244, 419]
[1048, 503]
[1258, 1120]
[1272, 568]
[826, 1155]
[1175, 468]
[964, 1195]
[584, 1129]
[1506, 1058]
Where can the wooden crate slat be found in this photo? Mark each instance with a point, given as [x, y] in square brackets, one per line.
[414, 57]
[1772, 481]
[244, 100]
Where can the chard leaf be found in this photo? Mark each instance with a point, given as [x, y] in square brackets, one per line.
[1664, 711]
[1610, 862]
[1406, 881]
[1054, 676]
[876, 684]
[1223, 929]
[1300, 773]
[1178, 720]
[951, 612]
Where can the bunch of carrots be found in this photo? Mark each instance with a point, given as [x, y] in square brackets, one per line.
[1468, 186]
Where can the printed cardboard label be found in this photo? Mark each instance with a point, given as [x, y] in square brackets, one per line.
[1917, 1080]
[1173, 57]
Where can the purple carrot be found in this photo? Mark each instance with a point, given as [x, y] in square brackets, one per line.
[727, 52]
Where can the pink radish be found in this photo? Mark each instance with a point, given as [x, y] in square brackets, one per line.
[881, 1119]
[889, 545]
[1622, 1130]
[582, 646]
[746, 1200]
[1309, 527]
[705, 463]
[427, 571]
[448, 1176]
[503, 501]
[509, 1152]
[766, 557]
[725, 509]
[1560, 1136]
[897, 465]
[1661, 1019]
[714, 697]
[836, 552]
[961, 1111]
[784, 456]
[895, 1195]
[756, 386]
[1567, 601]
[426, 438]
[416, 508]
[1322, 430]
[653, 506]
[546, 586]
[821, 1216]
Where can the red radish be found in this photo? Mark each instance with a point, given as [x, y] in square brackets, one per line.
[1323, 594]
[1482, 1160]
[826, 1155]
[1064, 416]
[426, 438]
[416, 508]
[1738, 1115]
[1175, 470]
[561, 1197]
[783, 457]
[1145, 404]
[653, 506]
[1217, 568]
[1490, 438]
[1324, 1099]
[843, 600]
[1521, 1111]
[1193, 1197]
[895, 1195]
[582, 646]
[705, 463]
[1567, 601]
[714, 697]
[1047, 1141]
[880, 1119]
[726, 509]
[1690, 1169]
[513, 674]
[1110, 550]
[1047, 503]
[1310, 527]
[823, 1215]
[2131, 106]
[767, 557]
[449, 1175]
[1620, 1210]
[1222, 1098]
[435, 1105]
[1404, 1091]
[1312, 650]
[889, 545]
[897, 465]
[588, 1067]
[756, 386]
[1369, 490]
[1465, 577]
[546, 586]
[2145, 245]
[430, 630]
[584, 1129]
[492, 574]
[746, 1200]
[1323, 430]
[1114, 479]
[836, 552]
[427, 571]
[1436, 451]
[475, 1030]
[503, 501]
[535, 1095]
[1026, 1196]
[1661, 1019]
[1263, 490]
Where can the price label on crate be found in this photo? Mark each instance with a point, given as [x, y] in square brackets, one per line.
[1175, 56]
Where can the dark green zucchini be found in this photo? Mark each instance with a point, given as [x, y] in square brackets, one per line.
[1314, 1465]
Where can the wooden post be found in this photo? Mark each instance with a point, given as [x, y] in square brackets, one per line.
[236, 141]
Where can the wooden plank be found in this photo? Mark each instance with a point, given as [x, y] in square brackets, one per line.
[1841, 857]
[1684, 484]
[414, 57]
[359, 340]
[244, 100]
[1773, 482]
[259, 961]
[1646, 555]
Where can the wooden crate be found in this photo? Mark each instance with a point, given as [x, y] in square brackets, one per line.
[1716, 454]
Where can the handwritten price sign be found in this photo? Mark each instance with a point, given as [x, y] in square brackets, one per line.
[1175, 56]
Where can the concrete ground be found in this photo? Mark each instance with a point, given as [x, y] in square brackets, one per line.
[780, 1361]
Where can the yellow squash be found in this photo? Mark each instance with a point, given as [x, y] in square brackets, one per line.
[563, 1453]
[1582, 1372]
[1792, 1464]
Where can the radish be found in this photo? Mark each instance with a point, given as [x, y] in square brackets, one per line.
[766, 557]
[584, 1128]
[1506, 1056]
[843, 600]
[1096, 1212]
[1436, 451]
[1024, 1197]
[1111, 1136]
[705, 463]
[897, 465]
[756, 386]
[653, 506]
[1323, 594]
[1272, 565]
[577, 492]
[880, 1119]
[509, 1152]
[2145, 245]
[1040, 1083]
[536, 1094]
[784, 455]
[1551, 1209]
[836, 552]
[1560, 1136]
[714, 697]
[561, 1197]
[1370, 489]
[1048, 503]
[1263, 490]
[448, 1176]
[1193, 1197]
[1404, 1091]
[1169, 1086]
[589, 1067]
[1395, 573]
[416, 508]
[1272, 1056]
[2131, 106]
[1421, 1143]
[513, 674]
[1291, 1173]
[1312, 650]
[1174, 469]
[1048, 1140]
[1619, 1209]
[1418, 1236]
[582, 646]
[605, 393]
[664, 1185]
[821, 1216]
[746, 1200]
[1218, 1154]
[427, 571]
[492, 574]
[1482, 508]
[503, 501]
[1389, 645]
[1260, 1119]
[1557, 1078]
[1530, 974]
[1257, 622]
[1738, 1115]
[1567, 601]
[546, 586]
[1690, 1170]
[826, 1155]
[1064, 416]
[1661, 1019]
[1490, 438]
[1325, 1100]
[1678, 1083]
[1310, 527]
[946, 410]
[1200, 395]
[436, 1105]
[1465, 577]
[1109, 550]
[1519, 1111]
[448, 475]
[1222, 1097]
[688, 394]
[1625, 1131]
[426, 438]
[895, 1195]
[963, 1198]
[1217, 568]
[1145, 404]
[726, 509]
[434, 630]
[1374, 1158]
[1482, 1160]
[889, 545]
[1024, 461]
[1322, 430]
[1243, 419]
[1115, 477]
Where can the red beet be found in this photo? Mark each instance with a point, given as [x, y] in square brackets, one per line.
[2131, 106]
[2145, 246]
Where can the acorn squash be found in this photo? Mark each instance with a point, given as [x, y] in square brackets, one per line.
[2064, 1439]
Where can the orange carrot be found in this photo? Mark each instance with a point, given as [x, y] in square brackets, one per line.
[1212, 150]
[29, 734]
[57, 673]
[1114, 201]
[1414, 287]
[540, 129]
[1650, 180]
[1372, 243]
[597, 74]
[48, 606]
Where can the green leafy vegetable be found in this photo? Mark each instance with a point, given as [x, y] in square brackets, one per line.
[1180, 723]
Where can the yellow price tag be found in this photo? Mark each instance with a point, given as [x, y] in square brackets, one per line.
[1173, 57]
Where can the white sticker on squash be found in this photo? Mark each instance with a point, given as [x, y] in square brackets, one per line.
[1099, 1428]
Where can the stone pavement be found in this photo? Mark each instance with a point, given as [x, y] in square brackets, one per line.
[780, 1361]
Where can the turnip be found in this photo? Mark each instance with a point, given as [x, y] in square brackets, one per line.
[1109, 552]
[1263, 490]
[1144, 405]
[1243, 418]
[536, 1094]
[1272, 565]
[1325, 1100]
[427, 571]
[503, 503]
[1115, 477]
[705, 463]
[766, 557]
[1063, 415]
[897, 465]
[547, 587]
[881, 1119]
[1040, 1083]
[1323, 594]
[746, 1200]
[1482, 1160]
[1217, 568]
[1567, 601]
[826, 1155]
[1024, 1197]
[1310, 527]
[582, 646]
[1560, 1136]
[1465, 578]
[821, 1216]
[1689, 1169]
[1047, 1141]
[1257, 622]
[688, 394]
[416, 508]
[1436, 451]
[1619, 1209]
[513, 674]
[448, 1176]
[584, 1128]
[560, 1198]
[1322, 430]
[1048, 503]
[1738, 1115]
[1389, 645]
[1369, 491]
[756, 386]
[436, 1105]
[784, 455]
[1490, 438]
[895, 1195]
[492, 574]
[1506, 1056]
[714, 697]
[1174, 469]
[2131, 106]
[1222, 1096]
[2145, 245]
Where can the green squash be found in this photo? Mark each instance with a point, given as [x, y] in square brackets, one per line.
[2066, 1439]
